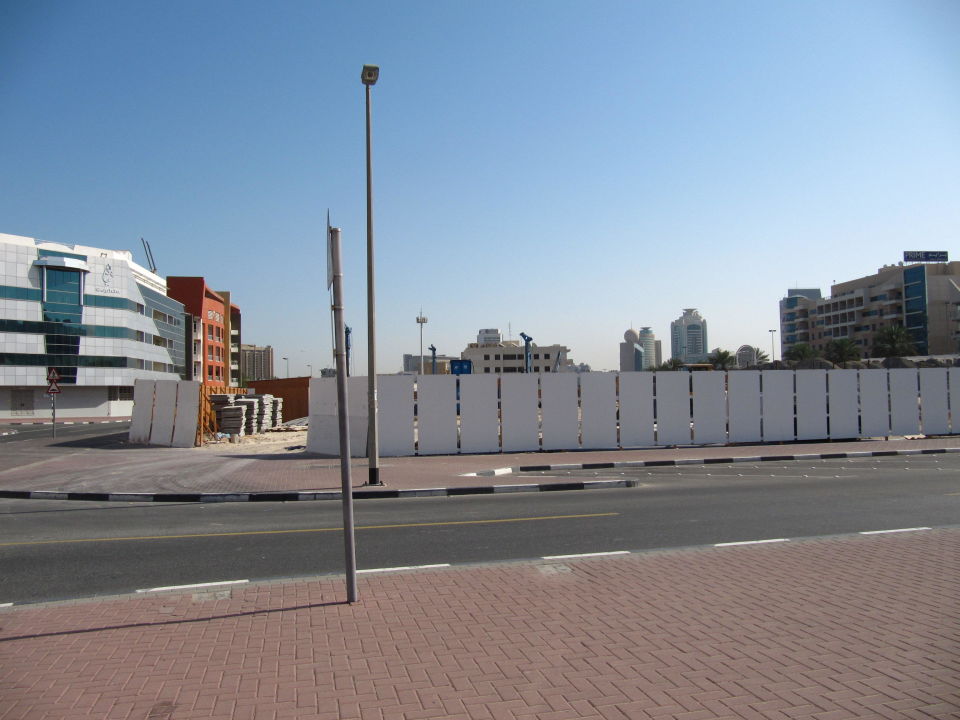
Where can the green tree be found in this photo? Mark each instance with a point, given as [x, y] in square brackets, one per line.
[671, 364]
[722, 360]
[762, 357]
[893, 341]
[801, 351]
[841, 351]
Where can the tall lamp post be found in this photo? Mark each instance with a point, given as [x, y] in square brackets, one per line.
[368, 76]
[773, 354]
[421, 321]
[287, 361]
[310, 368]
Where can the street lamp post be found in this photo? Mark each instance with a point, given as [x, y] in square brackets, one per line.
[310, 368]
[773, 354]
[368, 76]
[421, 321]
[287, 361]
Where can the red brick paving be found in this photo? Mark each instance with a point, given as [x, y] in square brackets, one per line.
[829, 629]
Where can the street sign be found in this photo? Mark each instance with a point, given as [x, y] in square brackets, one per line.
[461, 367]
[53, 388]
[925, 256]
[53, 375]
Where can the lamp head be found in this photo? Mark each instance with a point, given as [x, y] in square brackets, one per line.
[369, 74]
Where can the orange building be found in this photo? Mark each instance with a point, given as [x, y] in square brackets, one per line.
[212, 312]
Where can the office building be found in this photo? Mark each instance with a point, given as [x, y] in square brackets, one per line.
[688, 337]
[492, 354]
[922, 297]
[411, 364]
[640, 350]
[93, 316]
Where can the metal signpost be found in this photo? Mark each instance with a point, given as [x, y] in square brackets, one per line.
[53, 390]
[335, 278]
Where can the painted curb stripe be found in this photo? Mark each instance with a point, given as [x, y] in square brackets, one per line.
[585, 555]
[751, 542]
[405, 567]
[194, 586]
[898, 530]
[362, 494]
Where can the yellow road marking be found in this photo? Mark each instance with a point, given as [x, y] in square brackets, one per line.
[310, 530]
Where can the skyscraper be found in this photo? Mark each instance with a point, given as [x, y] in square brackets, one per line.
[688, 337]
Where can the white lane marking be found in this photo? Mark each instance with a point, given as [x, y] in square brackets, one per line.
[404, 567]
[193, 586]
[880, 532]
[751, 542]
[6, 604]
[585, 555]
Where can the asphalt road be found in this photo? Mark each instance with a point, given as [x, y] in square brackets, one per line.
[38, 436]
[59, 550]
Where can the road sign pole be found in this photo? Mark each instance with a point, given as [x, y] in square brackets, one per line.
[53, 407]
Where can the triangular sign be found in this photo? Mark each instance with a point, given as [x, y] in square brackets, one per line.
[53, 375]
[53, 388]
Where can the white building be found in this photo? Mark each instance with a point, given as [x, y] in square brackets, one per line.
[492, 354]
[688, 337]
[92, 315]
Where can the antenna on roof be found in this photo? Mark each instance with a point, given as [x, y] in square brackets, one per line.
[149, 253]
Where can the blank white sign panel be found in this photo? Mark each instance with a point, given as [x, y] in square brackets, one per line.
[843, 405]
[874, 408]
[395, 407]
[561, 421]
[598, 404]
[743, 399]
[518, 404]
[437, 414]
[953, 377]
[811, 404]
[673, 408]
[777, 388]
[636, 409]
[709, 407]
[164, 407]
[933, 401]
[904, 402]
[479, 420]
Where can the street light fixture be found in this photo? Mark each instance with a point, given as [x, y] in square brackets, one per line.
[287, 361]
[421, 321]
[369, 76]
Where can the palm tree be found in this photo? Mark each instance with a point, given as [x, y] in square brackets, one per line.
[893, 341]
[801, 351]
[841, 351]
[722, 359]
[762, 357]
[671, 364]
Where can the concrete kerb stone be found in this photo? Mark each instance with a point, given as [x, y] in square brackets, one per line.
[367, 494]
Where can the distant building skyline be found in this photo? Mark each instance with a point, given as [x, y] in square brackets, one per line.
[688, 337]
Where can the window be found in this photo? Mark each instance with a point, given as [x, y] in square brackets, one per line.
[210, 332]
[62, 286]
[546, 356]
[536, 356]
[209, 353]
[496, 357]
[486, 357]
[486, 369]
[120, 393]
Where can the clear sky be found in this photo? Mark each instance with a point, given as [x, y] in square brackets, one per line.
[567, 168]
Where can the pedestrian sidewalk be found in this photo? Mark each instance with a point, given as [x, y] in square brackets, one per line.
[254, 471]
[826, 629]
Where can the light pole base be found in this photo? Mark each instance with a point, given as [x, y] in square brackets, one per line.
[373, 476]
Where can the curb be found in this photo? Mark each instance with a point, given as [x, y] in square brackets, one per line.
[362, 494]
[67, 422]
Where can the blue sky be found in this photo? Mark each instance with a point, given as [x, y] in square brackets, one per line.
[564, 168]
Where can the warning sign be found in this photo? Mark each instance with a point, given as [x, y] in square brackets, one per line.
[53, 375]
[53, 388]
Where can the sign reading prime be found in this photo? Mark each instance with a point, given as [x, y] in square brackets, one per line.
[925, 256]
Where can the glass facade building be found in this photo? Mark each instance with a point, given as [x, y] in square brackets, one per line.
[92, 315]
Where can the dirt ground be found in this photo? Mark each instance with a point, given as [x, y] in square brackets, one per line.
[289, 440]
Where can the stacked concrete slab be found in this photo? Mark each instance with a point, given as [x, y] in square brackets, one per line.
[252, 405]
[277, 412]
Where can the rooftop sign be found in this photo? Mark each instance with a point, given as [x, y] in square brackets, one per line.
[925, 256]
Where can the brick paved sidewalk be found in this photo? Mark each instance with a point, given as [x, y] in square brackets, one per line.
[853, 627]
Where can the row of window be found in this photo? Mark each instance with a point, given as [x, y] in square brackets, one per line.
[73, 361]
[545, 368]
[64, 330]
[536, 356]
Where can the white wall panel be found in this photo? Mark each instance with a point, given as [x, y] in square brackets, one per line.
[709, 407]
[933, 401]
[904, 402]
[874, 404]
[164, 409]
[437, 414]
[636, 409]
[560, 411]
[188, 414]
[395, 407]
[953, 376]
[843, 403]
[598, 403]
[673, 408]
[518, 405]
[777, 405]
[142, 416]
[479, 421]
[812, 404]
[743, 400]
[324, 434]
